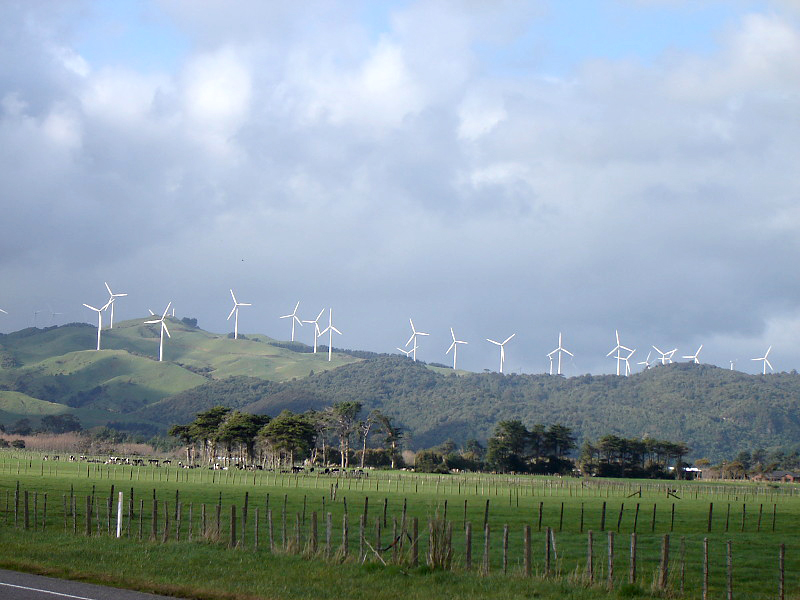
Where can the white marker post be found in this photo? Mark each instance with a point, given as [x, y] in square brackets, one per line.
[119, 516]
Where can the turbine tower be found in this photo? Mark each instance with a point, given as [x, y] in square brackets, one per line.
[163, 330]
[619, 358]
[733, 362]
[413, 338]
[666, 357]
[316, 328]
[99, 312]
[560, 350]
[765, 360]
[234, 311]
[693, 358]
[502, 348]
[110, 303]
[454, 347]
[294, 318]
[330, 330]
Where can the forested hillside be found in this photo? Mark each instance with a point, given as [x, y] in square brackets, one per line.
[715, 411]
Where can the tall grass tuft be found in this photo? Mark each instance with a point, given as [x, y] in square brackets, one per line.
[440, 547]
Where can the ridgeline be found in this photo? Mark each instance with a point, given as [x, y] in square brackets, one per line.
[53, 371]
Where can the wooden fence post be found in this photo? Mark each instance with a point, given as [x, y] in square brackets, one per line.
[345, 536]
[232, 540]
[313, 532]
[590, 557]
[414, 542]
[468, 545]
[270, 530]
[781, 572]
[710, 515]
[663, 569]
[486, 547]
[729, 552]
[610, 560]
[603, 518]
[505, 549]
[705, 568]
[526, 536]
[632, 564]
[328, 534]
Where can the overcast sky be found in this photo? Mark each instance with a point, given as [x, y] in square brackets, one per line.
[506, 167]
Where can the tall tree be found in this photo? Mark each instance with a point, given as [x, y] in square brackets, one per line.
[392, 436]
[204, 428]
[343, 417]
[290, 433]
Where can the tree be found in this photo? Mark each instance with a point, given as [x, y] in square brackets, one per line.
[364, 428]
[204, 429]
[60, 423]
[290, 433]
[239, 431]
[343, 417]
[392, 436]
[508, 446]
[184, 433]
[21, 427]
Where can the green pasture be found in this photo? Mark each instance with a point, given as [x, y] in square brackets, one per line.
[289, 570]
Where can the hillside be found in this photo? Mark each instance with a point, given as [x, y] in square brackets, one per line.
[716, 411]
[57, 371]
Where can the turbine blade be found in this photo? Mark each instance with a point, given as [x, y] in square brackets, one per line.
[92, 307]
[509, 337]
[156, 321]
[109, 289]
[166, 310]
[233, 296]
[233, 310]
[166, 330]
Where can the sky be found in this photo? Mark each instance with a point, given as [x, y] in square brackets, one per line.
[527, 167]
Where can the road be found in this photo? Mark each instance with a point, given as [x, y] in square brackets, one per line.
[22, 586]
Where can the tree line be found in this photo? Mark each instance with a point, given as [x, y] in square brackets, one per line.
[237, 437]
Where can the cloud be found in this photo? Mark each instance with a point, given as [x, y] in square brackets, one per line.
[392, 165]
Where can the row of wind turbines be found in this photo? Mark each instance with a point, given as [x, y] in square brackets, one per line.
[109, 307]
[621, 353]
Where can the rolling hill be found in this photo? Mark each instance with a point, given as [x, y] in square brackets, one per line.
[717, 412]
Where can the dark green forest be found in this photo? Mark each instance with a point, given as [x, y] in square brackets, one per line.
[715, 412]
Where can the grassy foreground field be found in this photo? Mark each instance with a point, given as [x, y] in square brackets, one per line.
[294, 563]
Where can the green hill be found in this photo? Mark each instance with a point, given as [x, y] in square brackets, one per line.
[717, 412]
[59, 366]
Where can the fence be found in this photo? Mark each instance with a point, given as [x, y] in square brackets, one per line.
[608, 558]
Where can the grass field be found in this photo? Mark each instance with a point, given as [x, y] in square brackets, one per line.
[207, 567]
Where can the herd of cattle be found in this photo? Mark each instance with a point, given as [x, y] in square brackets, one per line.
[155, 462]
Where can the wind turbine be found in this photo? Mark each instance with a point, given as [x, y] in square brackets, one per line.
[99, 312]
[163, 329]
[666, 357]
[110, 303]
[406, 352]
[558, 351]
[627, 361]
[234, 311]
[646, 361]
[454, 347]
[413, 338]
[619, 358]
[293, 317]
[694, 356]
[316, 328]
[733, 362]
[3, 311]
[765, 360]
[502, 349]
[330, 330]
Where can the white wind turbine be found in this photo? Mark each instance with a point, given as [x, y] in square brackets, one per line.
[99, 312]
[110, 303]
[765, 360]
[406, 352]
[3, 311]
[666, 357]
[316, 328]
[413, 338]
[234, 311]
[294, 318]
[733, 362]
[454, 347]
[646, 362]
[560, 350]
[502, 348]
[163, 330]
[619, 358]
[330, 330]
[694, 357]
